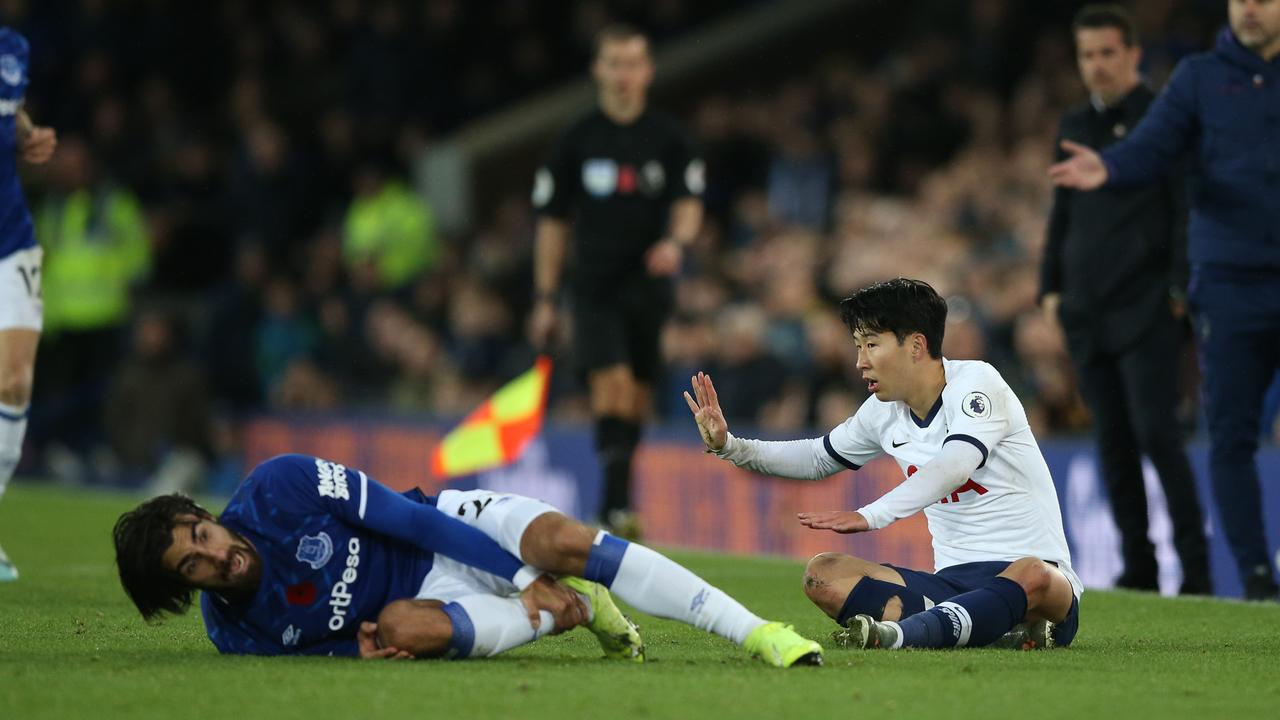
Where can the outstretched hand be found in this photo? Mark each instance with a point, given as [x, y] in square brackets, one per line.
[705, 405]
[1084, 170]
[367, 640]
[841, 521]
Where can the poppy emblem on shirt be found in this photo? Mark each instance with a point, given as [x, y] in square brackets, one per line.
[976, 405]
[304, 593]
[10, 69]
[315, 550]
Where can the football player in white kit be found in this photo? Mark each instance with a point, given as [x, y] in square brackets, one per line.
[1002, 568]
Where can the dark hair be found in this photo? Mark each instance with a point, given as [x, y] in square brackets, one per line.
[142, 536]
[617, 31]
[899, 306]
[1096, 17]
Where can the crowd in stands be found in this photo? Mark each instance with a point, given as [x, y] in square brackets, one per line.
[231, 214]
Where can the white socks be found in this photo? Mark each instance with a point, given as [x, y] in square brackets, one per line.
[658, 586]
[13, 426]
[499, 624]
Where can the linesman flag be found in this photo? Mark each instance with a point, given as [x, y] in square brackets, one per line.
[495, 433]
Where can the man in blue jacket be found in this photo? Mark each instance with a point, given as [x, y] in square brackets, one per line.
[1224, 106]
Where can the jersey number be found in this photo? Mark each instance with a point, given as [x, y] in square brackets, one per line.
[478, 504]
[31, 278]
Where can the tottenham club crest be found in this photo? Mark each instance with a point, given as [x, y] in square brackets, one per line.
[976, 405]
[315, 550]
[10, 69]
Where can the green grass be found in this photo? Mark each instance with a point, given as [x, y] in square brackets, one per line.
[71, 646]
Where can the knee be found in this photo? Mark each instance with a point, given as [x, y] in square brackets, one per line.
[419, 627]
[1032, 574]
[818, 576]
[15, 386]
[558, 544]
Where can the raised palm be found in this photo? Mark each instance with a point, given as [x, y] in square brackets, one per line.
[705, 405]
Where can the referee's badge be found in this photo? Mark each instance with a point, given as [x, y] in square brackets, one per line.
[976, 405]
[600, 177]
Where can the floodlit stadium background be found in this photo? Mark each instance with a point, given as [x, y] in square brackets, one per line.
[222, 165]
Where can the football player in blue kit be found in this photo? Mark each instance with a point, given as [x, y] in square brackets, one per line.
[311, 557]
[1002, 567]
[21, 311]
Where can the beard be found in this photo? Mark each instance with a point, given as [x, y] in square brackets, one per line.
[242, 588]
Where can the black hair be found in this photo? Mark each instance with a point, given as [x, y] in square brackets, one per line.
[617, 31]
[142, 536]
[1096, 17]
[900, 306]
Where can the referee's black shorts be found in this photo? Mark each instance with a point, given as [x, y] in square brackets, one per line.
[622, 326]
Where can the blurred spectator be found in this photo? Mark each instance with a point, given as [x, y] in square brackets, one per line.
[391, 228]
[97, 248]
[157, 412]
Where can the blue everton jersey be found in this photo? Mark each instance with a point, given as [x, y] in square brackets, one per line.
[16, 229]
[336, 547]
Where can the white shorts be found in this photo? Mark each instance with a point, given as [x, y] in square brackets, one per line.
[501, 516]
[20, 304]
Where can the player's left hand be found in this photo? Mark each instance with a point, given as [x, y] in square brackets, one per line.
[565, 605]
[39, 145]
[663, 259]
[841, 521]
[367, 640]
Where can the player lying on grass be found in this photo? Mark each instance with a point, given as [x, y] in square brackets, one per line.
[311, 557]
[971, 464]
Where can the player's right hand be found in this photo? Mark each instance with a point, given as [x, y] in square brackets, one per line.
[707, 413]
[544, 325]
[565, 605]
[1084, 170]
[367, 640]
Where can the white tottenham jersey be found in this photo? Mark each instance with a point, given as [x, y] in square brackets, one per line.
[1008, 508]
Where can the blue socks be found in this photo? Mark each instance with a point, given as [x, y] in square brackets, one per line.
[604, 559]
[975, 618]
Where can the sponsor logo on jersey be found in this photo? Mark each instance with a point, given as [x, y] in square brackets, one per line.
[333, 480]
[315, 550]
[600, 177]
[291, 636]
[653, 179]
[10, 107]
[340, 595]
[10, 69]
[976, 405]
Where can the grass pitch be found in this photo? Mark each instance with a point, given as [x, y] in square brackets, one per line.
[71, 646]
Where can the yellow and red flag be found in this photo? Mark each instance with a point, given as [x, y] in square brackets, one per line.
[495, 433]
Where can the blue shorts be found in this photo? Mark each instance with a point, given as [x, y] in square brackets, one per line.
[949, 582]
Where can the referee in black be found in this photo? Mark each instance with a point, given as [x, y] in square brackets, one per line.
[625, 183]
[1114, 275]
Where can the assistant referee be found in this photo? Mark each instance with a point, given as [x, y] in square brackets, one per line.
[625, 183]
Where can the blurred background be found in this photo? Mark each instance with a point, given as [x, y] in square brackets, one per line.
[305, 214]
